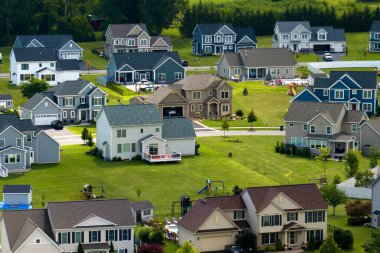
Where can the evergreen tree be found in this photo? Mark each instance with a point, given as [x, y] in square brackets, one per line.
[329, 246]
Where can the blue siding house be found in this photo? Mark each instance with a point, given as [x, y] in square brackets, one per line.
[356, 89]
[219, 38]
[374, 37]
[155, 67]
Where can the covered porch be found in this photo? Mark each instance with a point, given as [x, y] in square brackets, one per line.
[374, 46]
[256, 73]
[294, 235]
[123, 77]
[154, 150]
[341, 144]
[83, 112]
[213, 107]
[96, 247]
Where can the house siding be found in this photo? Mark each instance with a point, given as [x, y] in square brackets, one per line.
[48, 150]
[169, 68]
[369, 137]
[16, 199]
[183, 146]
[375, 203]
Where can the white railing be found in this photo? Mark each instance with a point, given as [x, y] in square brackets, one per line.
[174, 156]
[3, 171]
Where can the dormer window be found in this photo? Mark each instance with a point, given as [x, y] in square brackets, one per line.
[321, 36]
[295, 36]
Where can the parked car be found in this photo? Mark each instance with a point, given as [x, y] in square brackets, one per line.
[327, 56]
[57, 124]
[233, 249]
[184, 63]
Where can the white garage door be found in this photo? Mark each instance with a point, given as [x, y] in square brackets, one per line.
[71, 56]
[44, 119]
[215, 243]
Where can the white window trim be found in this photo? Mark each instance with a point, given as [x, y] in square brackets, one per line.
[329, 127]
[367, 104]
[196, 92]
[325, 92]
[178, 75]
[146, 42]
[352, 128]
[96, 98]
[131, 44]
[320, 34]
[315, 129]
[367, 91]
[338, 92]
[64, 114]
[208, 39]
[20, 142]
[303, 127]
[72, 114]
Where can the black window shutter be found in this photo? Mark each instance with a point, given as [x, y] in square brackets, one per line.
[89, 236]
[82, 237]
[120, 234]
[63, 101]
[280, 220]
[106, 235]
[68, 237]
[116, 239]
[59, 238]
[93, 100]
[73, 237]
[99, 238]
[129, 234]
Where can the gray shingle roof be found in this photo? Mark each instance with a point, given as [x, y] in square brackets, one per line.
[211, 29]
[366, 79]
[161, 94]
[124, 115]
[305, 111]
[32, 54]
[375, 123]
[56, 41]
[34, 101]
[241, 32]
[199, 82]
[5, 97]
[65, 215]
[333, 34]
[63, 65]
[22, 125]
[177, 128]
[267, 57]
[234, 59]
[198, 214]
[167, 39]
[143, 60]
[121, 30]
[20, 188]
[375, 27]
[288, 26]
[69, 87]
[142, 205]
[353, 116]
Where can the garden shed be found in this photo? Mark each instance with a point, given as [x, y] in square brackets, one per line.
[17, 195]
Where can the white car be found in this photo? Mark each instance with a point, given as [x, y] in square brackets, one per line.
[327, 57]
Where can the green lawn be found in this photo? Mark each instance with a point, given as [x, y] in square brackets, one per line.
[357, 45]
[13, 90]
[93, 59]
[5, 51]
[269, 103]
[78, 129]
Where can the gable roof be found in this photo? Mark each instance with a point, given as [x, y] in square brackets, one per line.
[124, 115]
[69, 87]
[143, 60]
[198, 214]
[233, 59]
[306, 111]
[307, 196]
[366, 79]
[167, 40]
[36, 99]
[211, 29]
[56, 41]
[354, 116]
[375, 27]
[31, 54]
[288, 26]
[200, 82]
[241, 32]
[177, 128]
[375, 123]
[267, 57]
[141, 205]
[121, 30]
[5, 97]
[333, 34]
[65, 215]
[21, 188]
[21, 224]
[22, 125]
[160, 94]
[62, 65]
[231, 202]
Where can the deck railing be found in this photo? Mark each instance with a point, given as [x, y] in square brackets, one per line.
[3, 171]
[174, 156]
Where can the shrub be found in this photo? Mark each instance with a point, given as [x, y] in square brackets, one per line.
[277, 147]
[337, 180]
[312, 244]
[136, 158]
[245, 92]
[358, 221]
[156, 236]
[94, 152]
[197, 146]
[117, 158]
[92, 121]
[247, 240]
[77, 122]
[343, 238]
[143, 234]
[358, 208]
[150, 248]
[305, 152]
[278, 245]
[271, 248]
[239, 113]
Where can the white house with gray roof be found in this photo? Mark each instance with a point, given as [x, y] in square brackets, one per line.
[54, 58]
[61, 226]
[70, 101]
[258, 63]
[6, 101]
[127, 131]
[126, 38]
[300, 36]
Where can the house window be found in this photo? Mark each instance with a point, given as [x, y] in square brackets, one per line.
[119, 148]
[304, 127]
[147, 212]
[271, 220]
[52, 64]
[317, 144]
[29, 137]
[18, 142]
[317, 234]
[367, 94]
[218, 39]
[24, 66]
[65, 238]
[131, 42]
[304, 36]
[161, 77]
[298, 141]
[116, 42]
[354, 92]
[208, 39]
[82, 100]
[38, 241]
[228, 39]
[377, 36]
[367, 107]
[68, 101]
[354, 128]
[177, 75]
[328, 130]
[12, 158]
[48, 78]
[153, 149]
[292, 216]
[125, 235]
[321, 36]
[110, 235]
[77, 237]
[325, 92]
[192, 108]
[295, 36]
[315, 216]
[64, 114]
[339, 94]
[2, 143]
[97, 101]
[40, 65]
[231, 47]
[237, 71]
[199, 107]
[312, 129]
[122, 42]
[143, 42]
[224, 94]
[72, 114]
[286, 71]
[121, 133]
[285, 37]
[26, 77]
[269, 238]
[239, 215]
[274, 71]
[94, 236]
[225, 108]
[196, 95]
[157, 129]
[133, 147]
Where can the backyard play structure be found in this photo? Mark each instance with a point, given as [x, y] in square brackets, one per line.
[185, 203]
[88, 192]
[292, 89]
[208, 186]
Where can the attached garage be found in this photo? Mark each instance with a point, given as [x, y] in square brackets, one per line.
[321, 47]
[71, 56]
[44, 119]
[176, 111]
[215, 243]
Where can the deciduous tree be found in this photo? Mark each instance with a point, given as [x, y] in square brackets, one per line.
[333, 196]
[33, 86]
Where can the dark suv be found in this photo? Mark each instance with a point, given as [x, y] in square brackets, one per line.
[233, 249]
[57, 124]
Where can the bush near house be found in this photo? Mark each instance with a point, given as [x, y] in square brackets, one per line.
[291, 149]
[358, 212]
[343, 238]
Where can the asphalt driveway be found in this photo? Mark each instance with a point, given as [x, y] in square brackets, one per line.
[64, 136]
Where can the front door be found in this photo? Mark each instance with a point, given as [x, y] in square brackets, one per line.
[138, 216]
[292, 238]
[294, 47]
[142, 77]
[218, 49]
[83, 115]
[354, 107]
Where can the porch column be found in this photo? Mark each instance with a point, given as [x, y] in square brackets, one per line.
[217, 109]
[286, 238]
[257, 73]
[305, 236]
[346, 147]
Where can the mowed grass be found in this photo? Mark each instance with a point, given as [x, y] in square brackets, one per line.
[269, 103]
[93, 60]
[78, 129]
[6, 88]
[5, 52]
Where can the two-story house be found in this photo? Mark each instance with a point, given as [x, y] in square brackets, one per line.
[22, 144]
[61, 226]
[300, 36]
[125, 38]
[130, 131]
[374, 37]
[6, 101]
[291, 213]
[70, 101]
[201, 95]
[155, 67]
[219, 38]
[356, 89]
[258, 63]
[54, 58]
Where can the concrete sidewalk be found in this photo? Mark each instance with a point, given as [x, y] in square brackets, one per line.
[239, 133]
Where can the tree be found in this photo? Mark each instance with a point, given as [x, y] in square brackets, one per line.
[251, 117]
[324, 156]
[225, 125]
[245, 91]
[239, 113]
[337, 180]
[156, 236]
[85, 135]
[150, 248]
[33, 86]
[333, 196]
[143, 234]
[364, 178]
[247, 241]
[187, 247]
[80, 248]
[374, 156]
[312, 244]
[237, 190]
[112, 249]
[90, 141]
[329, 246]
[373, 246]
[351, 163]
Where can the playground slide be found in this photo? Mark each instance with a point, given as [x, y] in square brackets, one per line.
[201, 190]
